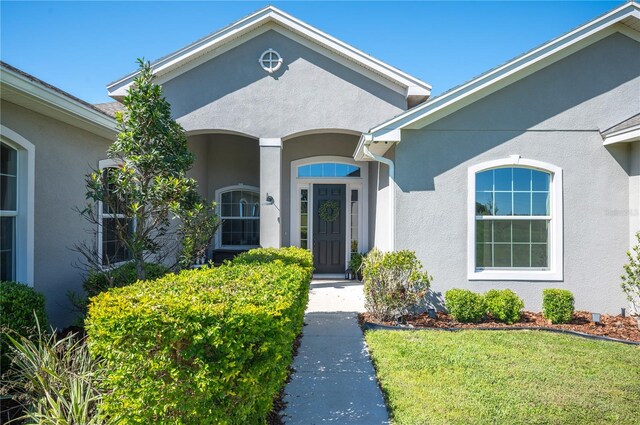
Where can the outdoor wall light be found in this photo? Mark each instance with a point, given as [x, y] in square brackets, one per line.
[432, 313]
[595, 318]
[269, 200]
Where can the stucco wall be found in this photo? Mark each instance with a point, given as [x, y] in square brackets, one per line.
[310, 91]
[553, 116]
[305, 147]
[224, 160]
[634, 191]
[63, 156]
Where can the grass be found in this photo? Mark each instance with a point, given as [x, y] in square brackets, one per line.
[497, 377]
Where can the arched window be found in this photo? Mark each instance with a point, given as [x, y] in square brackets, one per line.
[515, 221]
[239, 208]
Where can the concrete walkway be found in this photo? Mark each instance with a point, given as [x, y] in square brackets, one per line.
[334, 380]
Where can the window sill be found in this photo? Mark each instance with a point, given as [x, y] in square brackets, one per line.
[527, 275]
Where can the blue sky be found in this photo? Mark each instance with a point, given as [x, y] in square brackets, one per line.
[82, 46]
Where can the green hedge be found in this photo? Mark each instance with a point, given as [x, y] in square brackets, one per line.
[20, 305]
[205, 346]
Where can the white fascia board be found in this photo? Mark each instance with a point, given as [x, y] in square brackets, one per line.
[67, 109]
[516, 69]
[212, 46]
[378, 144]
[631, 134]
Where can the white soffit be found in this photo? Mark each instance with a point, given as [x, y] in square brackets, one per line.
[624, 19]
[272, 18]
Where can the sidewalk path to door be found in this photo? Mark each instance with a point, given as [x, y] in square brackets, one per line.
[334, 381]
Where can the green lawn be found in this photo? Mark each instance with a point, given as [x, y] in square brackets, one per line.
[524, 377]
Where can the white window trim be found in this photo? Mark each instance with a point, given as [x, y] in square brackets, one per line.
[102, 164]
[218, 195]
[361, 184]
[25, 222]
[555, 271]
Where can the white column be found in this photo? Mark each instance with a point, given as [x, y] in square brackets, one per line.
[270, 183]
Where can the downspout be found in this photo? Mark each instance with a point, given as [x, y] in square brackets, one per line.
[392, 190]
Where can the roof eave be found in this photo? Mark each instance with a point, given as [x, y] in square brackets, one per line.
[627, 135]
[19, 89]
[513, 70]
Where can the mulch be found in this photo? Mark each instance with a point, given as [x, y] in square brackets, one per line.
[618, 327]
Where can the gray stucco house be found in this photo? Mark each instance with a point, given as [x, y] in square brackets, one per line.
[526, 177]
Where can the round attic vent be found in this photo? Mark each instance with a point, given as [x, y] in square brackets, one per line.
[270, 60]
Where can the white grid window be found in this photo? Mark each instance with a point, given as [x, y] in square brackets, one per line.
[8, 211]
[240, 214]
[512, 218]
[304, 218]
[113, 224]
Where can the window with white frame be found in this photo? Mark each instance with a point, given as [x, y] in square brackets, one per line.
[240, 214]
[114, 225]
[515, 228]
[8, 211]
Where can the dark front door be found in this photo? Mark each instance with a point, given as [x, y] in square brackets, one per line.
[329, 228]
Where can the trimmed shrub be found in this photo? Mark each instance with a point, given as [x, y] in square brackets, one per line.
[557, 305]
[211, 345]
[465, 306]
[21, 309]
[504, 306]
[100, 281]
[290, 255]
[394, 283]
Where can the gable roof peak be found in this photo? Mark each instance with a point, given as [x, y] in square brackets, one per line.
[218, 42]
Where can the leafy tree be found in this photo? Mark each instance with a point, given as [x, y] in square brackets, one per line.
[631, 278]
[149, 186]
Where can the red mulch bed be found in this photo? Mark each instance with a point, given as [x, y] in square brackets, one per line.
[610, 326]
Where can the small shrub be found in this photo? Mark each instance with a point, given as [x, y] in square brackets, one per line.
[504, 306]
[631, 278]
[21, 308]
[394, 283]
[557, 305]
[465, 306]
[211, 345]
[55, 380]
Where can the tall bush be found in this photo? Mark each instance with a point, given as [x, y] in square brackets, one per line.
[21, 309]
[631, 278]
[394, 283]
[203, 346]
[149, 185]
